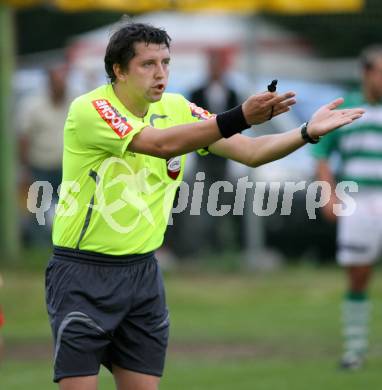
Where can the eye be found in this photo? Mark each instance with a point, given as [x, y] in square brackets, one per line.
[148, 64]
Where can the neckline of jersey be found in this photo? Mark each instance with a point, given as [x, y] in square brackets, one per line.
[120, 106]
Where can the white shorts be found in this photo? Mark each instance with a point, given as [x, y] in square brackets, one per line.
[359, 236]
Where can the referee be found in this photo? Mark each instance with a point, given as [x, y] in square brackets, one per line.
[124, 156]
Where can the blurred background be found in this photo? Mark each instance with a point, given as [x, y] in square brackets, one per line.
[276, 327]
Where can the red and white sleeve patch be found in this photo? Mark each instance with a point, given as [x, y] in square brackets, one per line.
[112, 117]
[200, 112]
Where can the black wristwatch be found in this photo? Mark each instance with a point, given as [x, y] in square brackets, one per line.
[306, 137]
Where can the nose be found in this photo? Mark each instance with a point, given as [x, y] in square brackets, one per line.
[161, 72]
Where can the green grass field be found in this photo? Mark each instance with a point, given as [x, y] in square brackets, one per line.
[278, 331]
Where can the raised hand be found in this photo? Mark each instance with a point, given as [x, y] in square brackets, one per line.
[328, 118]
[258, 108]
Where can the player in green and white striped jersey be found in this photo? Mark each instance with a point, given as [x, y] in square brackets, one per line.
[359, 236]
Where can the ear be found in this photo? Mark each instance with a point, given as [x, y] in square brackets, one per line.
[120, 74]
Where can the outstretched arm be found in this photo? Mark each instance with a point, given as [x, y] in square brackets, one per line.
[257, 151]
[182, 139]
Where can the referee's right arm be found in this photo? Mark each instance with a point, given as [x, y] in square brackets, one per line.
[182, 139]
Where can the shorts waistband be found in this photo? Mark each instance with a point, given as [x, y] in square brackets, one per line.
[77, 255]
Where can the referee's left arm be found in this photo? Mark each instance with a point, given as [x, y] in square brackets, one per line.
[254, 152]
[257, 151]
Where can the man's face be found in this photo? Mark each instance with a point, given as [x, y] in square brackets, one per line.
[374, 78]
[147, 74]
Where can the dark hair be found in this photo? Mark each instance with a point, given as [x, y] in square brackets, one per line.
[369, 55]
[120, 49]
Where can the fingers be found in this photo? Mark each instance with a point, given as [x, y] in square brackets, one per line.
[348, 118]
[280, 111]
[266, 95]
[283, 107]
[281, 98]
[351, 111]
[354, 117]
[262, 107]
[272, 98]
[286, 103]
[335, 103]
[351, 114]
[354, 114]
[339, 118]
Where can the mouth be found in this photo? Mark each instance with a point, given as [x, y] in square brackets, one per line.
[159, 87]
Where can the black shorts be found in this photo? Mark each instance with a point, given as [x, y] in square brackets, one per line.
[106, 310]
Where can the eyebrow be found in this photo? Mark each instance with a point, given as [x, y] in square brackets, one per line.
[155, 59]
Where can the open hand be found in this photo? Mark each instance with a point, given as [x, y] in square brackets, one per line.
[258, 108]
[327, 118]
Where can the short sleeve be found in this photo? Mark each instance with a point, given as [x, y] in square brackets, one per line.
[326, 146]
[194, 113]
[99, 125]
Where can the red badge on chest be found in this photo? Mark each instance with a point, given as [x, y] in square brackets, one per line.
[112, 117]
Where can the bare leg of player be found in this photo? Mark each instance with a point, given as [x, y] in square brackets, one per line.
[129, 380]
[79, 383]
[359, 277]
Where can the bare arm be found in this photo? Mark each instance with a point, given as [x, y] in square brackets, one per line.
[176, 140]
[324, 173]
[257, 151]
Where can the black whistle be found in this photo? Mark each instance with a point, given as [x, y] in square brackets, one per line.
[272, 86]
